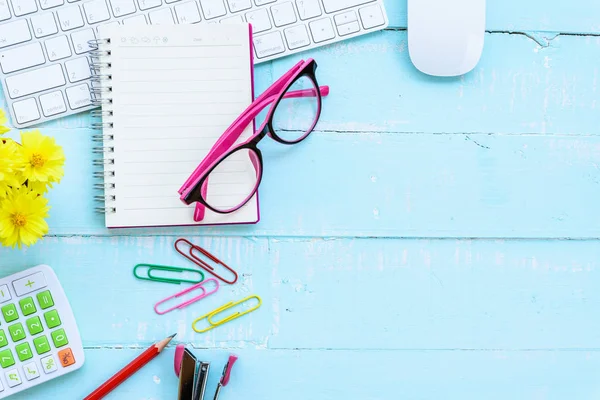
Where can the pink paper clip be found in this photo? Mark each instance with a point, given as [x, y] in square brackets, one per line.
[190, 301]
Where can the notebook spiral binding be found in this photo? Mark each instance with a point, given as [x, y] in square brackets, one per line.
[101, 94]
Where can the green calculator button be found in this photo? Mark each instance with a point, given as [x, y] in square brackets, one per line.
[3, 340]
[41, 344]
[6, 358]
[10, 312]
[24, 351]
[34, 324]
[59, 338]
[45, 299]
[27, 306]
[17, 332]
[52, 319]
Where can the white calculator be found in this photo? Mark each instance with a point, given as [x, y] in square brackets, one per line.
[39, 339]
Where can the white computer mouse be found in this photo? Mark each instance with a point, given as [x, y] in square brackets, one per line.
[445, 37]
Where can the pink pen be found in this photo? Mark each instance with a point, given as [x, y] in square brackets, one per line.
[226, 374]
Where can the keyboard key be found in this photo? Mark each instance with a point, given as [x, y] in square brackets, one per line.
[4, 294]
[6, 358]
[24, 351]
[269, 44]
[308, 8]
[13, 378]
[187, 13]
[46, 4]
[22, 57]
[35, 281]
[213, 8]
[321, 30]
[16, 332]
[80, 40]
[59, 337]
[58, 48]
[3, 339]
[239, 5]
[371, 16]
[259, 19]
[53, 103]
[4, 15]
[41, 345]
[44, 25]
[14, 32]
[24, 7]
[79, 96]
[283, 14]
[296, 37]
[26, 111]
[70, 18]
[349, 28]
[337, 5]
[45, 299]
[122, 7]
[27, 306]
[52, 319]
[31, 371]
[66, 357]
[49, 364]
[236, 19]
[10, 312]
[34, 325]
[263, 2]
[137, 20]
[147, 4]
[344, 18]
[161, 17]
[96, 11]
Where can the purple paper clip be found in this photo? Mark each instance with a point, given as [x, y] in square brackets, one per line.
[190, 301]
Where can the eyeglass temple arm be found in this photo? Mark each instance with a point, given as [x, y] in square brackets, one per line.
[237, 127]
[233, 132]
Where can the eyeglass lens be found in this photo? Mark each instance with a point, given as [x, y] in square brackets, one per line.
[233, 181]
[296, 114]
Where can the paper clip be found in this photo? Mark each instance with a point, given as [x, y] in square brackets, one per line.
[151, 267]
[188, 302]
[202, 264]
[211, 315]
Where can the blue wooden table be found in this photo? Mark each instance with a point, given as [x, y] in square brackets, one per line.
[433, 239]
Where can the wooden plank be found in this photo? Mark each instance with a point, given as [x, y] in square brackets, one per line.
[535, 90]
[334, 375]
[579, 16]
[341, 293]
[391, 185]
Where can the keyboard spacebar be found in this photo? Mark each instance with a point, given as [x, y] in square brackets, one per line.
[35, 81]
[337, 5]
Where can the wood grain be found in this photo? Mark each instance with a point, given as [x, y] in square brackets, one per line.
[433, 239]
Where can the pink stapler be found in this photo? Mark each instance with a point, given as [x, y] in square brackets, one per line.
[193, 375]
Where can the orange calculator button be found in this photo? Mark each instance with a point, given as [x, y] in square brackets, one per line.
[66, 357]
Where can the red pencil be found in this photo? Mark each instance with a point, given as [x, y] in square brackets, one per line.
[129, 370]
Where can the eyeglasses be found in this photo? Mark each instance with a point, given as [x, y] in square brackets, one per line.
[296, 96]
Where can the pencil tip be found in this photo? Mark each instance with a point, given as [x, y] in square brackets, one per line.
[172, 336]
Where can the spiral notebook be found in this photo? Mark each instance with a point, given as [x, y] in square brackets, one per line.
[166, 94]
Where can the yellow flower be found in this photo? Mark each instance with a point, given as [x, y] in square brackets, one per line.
[3, 121]
[43, 158]
[10, 166]
[22, 216]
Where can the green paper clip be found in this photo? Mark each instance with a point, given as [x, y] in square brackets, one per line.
[152, 267]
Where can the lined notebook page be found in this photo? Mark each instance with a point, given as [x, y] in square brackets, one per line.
[175, 90]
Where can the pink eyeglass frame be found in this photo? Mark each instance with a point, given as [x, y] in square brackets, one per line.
[195, 187]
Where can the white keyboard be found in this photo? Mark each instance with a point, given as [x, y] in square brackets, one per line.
[44, 64]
